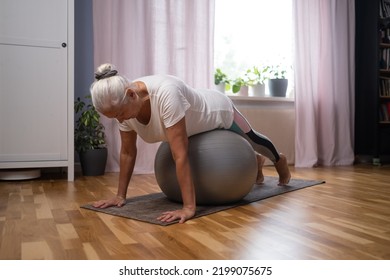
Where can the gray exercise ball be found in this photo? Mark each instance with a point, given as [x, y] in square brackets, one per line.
[223, 166]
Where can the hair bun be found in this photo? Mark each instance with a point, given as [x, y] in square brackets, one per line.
[105, 71]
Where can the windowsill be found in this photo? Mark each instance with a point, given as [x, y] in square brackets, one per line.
[260, 98]
[263, 101]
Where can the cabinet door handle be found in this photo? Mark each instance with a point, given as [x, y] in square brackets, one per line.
[63, 45]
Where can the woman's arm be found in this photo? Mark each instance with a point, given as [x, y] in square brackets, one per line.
[178, 141]
[128, 155]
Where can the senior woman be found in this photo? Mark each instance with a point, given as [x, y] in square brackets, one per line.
[164, 108]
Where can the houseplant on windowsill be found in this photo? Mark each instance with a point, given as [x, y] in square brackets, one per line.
[221, 80]
[240, 86]
[89, 139]
[256, 79]
[277, 83]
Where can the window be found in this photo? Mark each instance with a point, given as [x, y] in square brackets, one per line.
[252, 33]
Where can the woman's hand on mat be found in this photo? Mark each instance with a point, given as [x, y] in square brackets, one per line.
[182, 215]
[115, 201]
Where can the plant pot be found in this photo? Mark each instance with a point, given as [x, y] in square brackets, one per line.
[258, 90]
[93, 162]
[243, 91]
[221, 87]
[277, 87]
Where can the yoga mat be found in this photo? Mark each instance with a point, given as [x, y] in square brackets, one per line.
[147, 208]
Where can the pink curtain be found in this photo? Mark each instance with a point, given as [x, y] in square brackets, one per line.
[324, 81]
[144, 37]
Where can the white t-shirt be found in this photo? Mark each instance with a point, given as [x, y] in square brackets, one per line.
[171, 100]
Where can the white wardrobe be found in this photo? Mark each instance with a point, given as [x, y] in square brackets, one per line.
[36, 84]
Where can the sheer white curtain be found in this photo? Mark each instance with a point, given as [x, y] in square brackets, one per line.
[324, 81]
[144, 37]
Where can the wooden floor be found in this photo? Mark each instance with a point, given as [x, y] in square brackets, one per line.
[346, 218]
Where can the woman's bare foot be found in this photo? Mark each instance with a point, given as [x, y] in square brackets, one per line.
[283, 171]
[260, 163]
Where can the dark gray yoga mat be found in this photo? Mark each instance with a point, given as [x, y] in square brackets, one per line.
[147, 208]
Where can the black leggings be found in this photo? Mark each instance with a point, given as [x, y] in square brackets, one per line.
[259, 142]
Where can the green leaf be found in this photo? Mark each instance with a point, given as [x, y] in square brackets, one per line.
[236, 88]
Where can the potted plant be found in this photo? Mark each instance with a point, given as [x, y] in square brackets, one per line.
[89, 139]
[221, 80]
[277, 84]
[257, 77]
[240, 86]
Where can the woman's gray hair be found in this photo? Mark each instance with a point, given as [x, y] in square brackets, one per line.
[108, 91]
